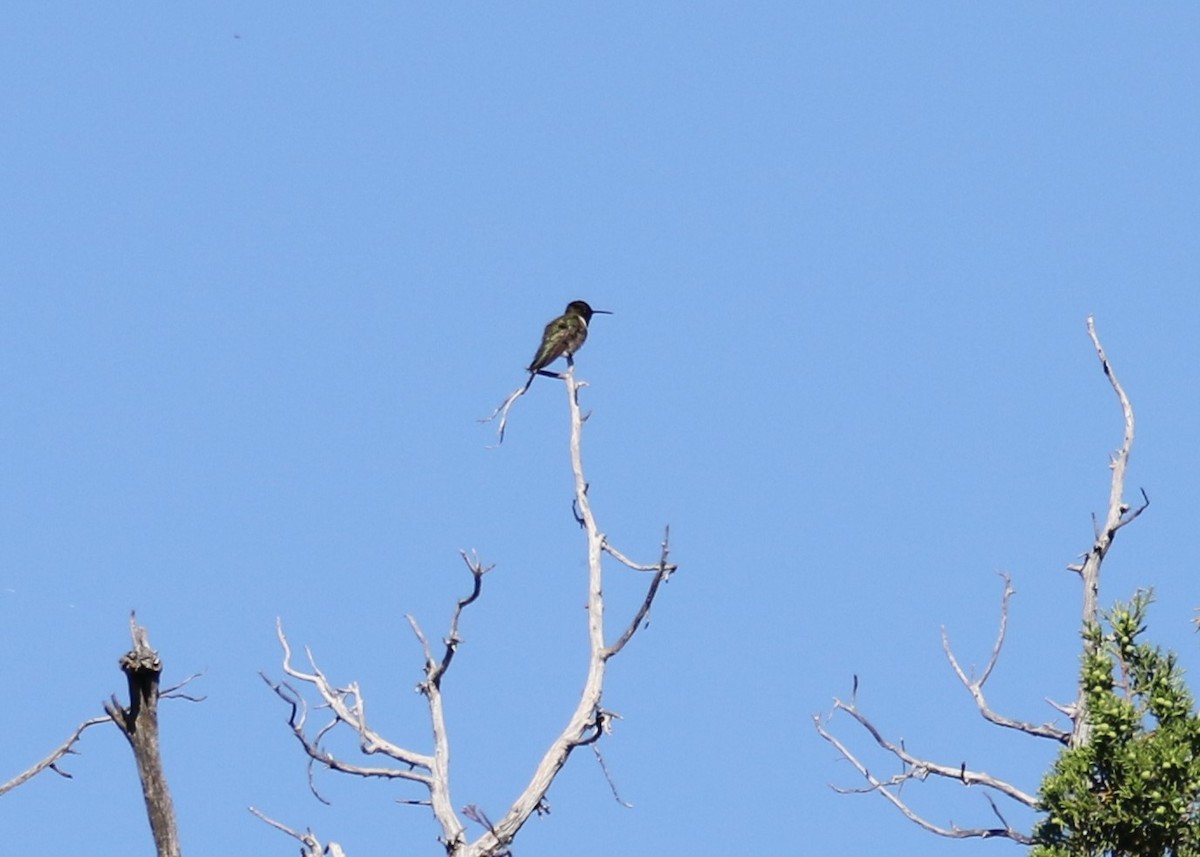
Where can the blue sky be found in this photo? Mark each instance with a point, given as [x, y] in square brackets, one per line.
[263, 269]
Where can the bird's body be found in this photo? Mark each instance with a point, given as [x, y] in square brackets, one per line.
[565, 335]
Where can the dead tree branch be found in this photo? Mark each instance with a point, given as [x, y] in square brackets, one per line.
[916, 768]
[139, 724]
[975, 686]
[585, 726]
[662, 571]
[1119, 515]
[588, 721]
[504, 407]
[347, 707]
[51, 761]
[312, 845]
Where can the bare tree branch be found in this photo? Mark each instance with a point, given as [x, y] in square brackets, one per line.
[298, 721]
[586, 725]
[173, 692]
[662, 571]
[975, 686]
[453, 831]
[587, 722]
[312, 845]
[504, 407]
[51, 761]
[139, 724]
[348, 707]
[1119, 514]
[916, 768]
[608, 777]
[478, 570]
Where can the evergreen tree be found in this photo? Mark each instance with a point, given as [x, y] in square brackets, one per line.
[1133, 790]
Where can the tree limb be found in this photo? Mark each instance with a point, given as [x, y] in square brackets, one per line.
[975, 686]
[348, 707]
[312, 845]
[504, 407]
[1119, 514]
[586, 725]
[587, 722]
[916, 768]
[51, 761]
[662, 571]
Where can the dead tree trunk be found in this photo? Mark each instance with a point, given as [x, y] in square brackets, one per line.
[139, 724]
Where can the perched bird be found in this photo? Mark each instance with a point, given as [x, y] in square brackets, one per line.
[564, 335]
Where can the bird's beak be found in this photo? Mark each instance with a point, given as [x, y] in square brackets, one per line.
[602, 312]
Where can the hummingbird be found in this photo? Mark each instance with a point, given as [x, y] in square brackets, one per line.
[565, 335]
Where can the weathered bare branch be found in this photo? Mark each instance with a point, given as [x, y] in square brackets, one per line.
[504, 407]
[173, 692]
[478, 570]
[51, 761]
[612, 785]
[312, 845]
[588, 721]
[921, 768]
[916, 768]
[628, 563]
[975, 686]
[662, 571]
[586, 725]
[298, 721]
[347, 706]
[1119, 514]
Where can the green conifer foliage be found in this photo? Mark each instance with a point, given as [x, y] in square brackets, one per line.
[1134, 789]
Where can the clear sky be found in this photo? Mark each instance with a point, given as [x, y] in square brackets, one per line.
[262, 269]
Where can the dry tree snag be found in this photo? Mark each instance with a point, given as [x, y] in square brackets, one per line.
[139, 724]
[912, 767]
[346, 706]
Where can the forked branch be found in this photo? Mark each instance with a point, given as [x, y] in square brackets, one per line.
[1119, 515]
[975, 685]
[504, 407]
[916, 768]
[586, 725]
[589, 720]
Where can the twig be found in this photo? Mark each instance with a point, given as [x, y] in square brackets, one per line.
[173, 692]
[312, 845]
[608, 778]
[503, 408]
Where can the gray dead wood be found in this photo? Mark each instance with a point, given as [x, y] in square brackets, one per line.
[139, 724]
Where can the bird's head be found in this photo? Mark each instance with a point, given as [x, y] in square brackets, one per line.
[581, 309]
